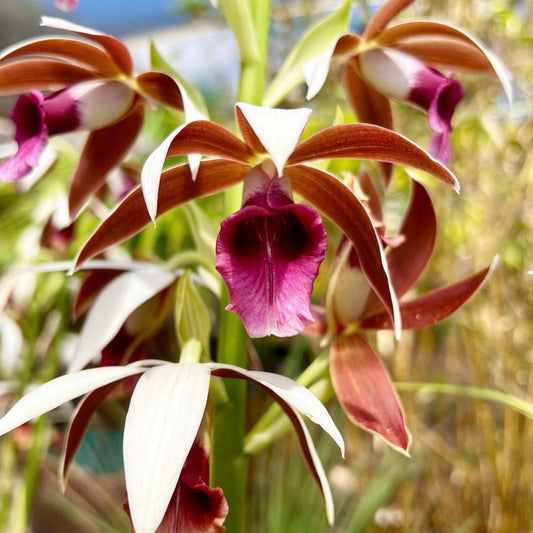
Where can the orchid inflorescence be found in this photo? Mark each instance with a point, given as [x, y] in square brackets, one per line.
[268, 251]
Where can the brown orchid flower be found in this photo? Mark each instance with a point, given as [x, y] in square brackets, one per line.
[361, 382]
[268, 257]
[401, 62]
[93, 88]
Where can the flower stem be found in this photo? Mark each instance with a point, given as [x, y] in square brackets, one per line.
[228, 465]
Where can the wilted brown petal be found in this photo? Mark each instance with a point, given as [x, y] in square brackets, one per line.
[104, 149]
[431, 307]
[366, 141]
[176, 187]
[366, 392]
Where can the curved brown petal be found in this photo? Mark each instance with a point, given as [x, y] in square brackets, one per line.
[332, 198]
[83, 53]
[433, 306]
[408, 260]
[176, 187]
[104, 149]
[447, 53]
[208, 138]
[367, 141]
[40, 74]
[370, 106]
[78, 425]
[383, 16]
[160, 87]
[248, 134]
[417, 29]
[366, 392]
[347, 44]
[115, 48]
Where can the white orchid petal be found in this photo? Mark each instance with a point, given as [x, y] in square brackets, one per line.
[164, 415]
[60, 390]
[279, 130]
[151, 173]
[111, 308]
[62, 24]
[296, 395]
[11, 343]
[319, 469]
[316, 71]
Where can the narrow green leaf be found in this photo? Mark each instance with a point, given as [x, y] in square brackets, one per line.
[191, 315]
[313, 42]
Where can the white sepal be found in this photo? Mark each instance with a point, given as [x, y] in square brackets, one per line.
[279, 130]
[163, 418]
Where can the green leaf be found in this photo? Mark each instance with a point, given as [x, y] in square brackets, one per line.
[313, 42]
[238, 15]
[191, 315]
[158, 62]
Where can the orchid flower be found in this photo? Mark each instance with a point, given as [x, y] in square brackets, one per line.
[271, 163]
[94, 89]
[163, 419]
[361, 382]
[400, 62]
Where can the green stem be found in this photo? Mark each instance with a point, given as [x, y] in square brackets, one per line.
[229, 466]
[514, 402]
[253, 72]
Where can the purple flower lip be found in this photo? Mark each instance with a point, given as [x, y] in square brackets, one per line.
[89, 105]
[404, 78]
[269, 253]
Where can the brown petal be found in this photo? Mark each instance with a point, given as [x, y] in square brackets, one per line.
[208, 138]
[40, 74]
[366, 392]
[433, 306]
[383, 16]
[370, 106]
[248, 134]
[78, 425]
[176, 187]
[435, 37]
[346, 44]
[447, 53]
[104, 149]
[85, 54]
[115, 48]
[366, 141]
[330, 196]
[160, 87]
[408, 260]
